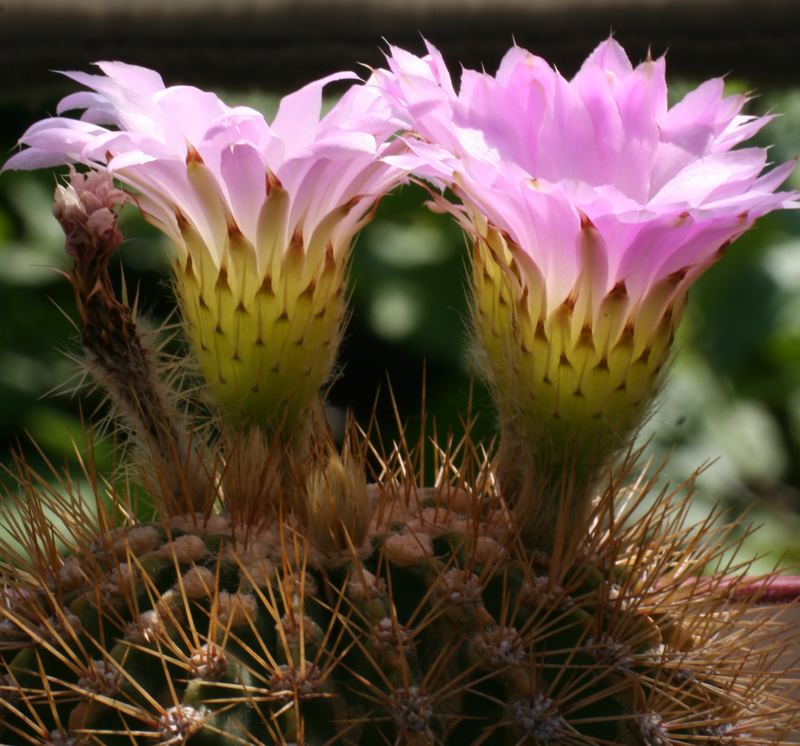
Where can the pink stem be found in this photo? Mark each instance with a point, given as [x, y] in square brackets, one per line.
[780, 589]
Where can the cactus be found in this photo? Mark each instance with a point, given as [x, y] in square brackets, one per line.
[279, 596]
[428, 621]
[341, 612]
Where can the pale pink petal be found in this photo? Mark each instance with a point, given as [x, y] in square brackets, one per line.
[188, 112]
[661, 185]
[146, 81]
[479, 99]
[739, 129]
[713, 175]
[244, 176]
[439, 69]
[297, 120]
[608, 57]
[698, 107]
[83, 100]
[33, 158]
[198, 166]
[593, 86]
[642, 98]
[566, 138]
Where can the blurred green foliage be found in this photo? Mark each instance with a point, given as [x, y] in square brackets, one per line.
[733, 394]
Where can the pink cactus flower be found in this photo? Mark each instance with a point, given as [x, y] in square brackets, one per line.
[261, 214]
[594, 206]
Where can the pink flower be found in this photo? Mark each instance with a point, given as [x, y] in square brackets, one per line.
[538, 154]
[594, 206]
[262, 215]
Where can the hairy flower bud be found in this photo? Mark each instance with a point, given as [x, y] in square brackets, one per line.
[86, 209]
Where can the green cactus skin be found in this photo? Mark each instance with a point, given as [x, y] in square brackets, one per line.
[441, 628]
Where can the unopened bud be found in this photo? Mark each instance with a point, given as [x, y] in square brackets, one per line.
[86, 209]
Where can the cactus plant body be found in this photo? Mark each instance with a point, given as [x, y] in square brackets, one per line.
[278, 596]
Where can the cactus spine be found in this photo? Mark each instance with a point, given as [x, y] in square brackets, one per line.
[278, 598]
